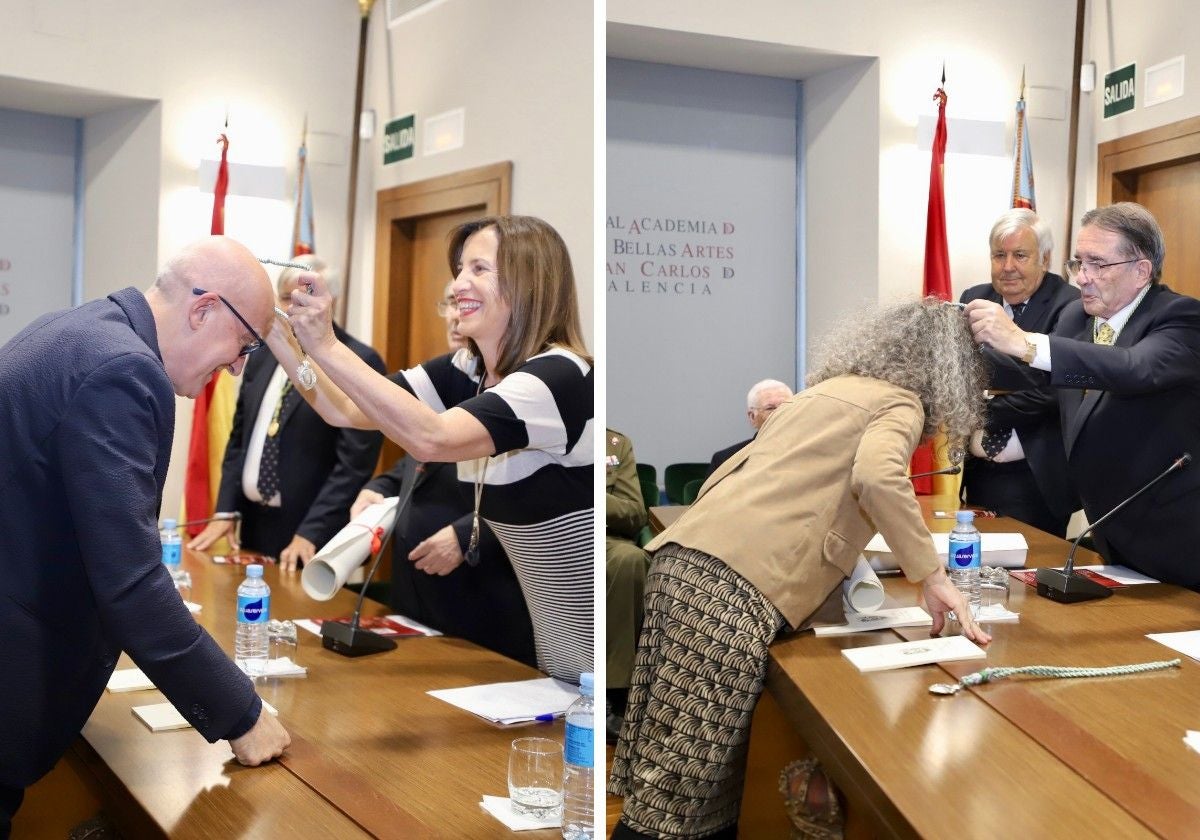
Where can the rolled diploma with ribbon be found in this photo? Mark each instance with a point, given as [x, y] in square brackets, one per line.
[862, 592]
[329, 570]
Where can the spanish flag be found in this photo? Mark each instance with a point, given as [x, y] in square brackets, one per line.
[934, 455]
[212, 411]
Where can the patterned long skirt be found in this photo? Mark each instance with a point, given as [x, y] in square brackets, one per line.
[699, 671]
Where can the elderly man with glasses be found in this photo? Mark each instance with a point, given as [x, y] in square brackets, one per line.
[762, 400]
[87, 417]
[289, 475]
[1125, 364]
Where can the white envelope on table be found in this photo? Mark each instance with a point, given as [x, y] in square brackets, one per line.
[329, 570]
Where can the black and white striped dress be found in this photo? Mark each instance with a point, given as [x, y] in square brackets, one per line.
[537, 494]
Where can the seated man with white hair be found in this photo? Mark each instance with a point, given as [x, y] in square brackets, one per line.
[764, 398]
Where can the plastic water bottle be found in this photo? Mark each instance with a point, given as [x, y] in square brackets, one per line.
[965, 557]
[172, 551]
[578, 797]
[253, 613]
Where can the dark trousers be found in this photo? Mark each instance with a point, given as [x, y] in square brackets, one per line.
[1010, 490]
[10, 801]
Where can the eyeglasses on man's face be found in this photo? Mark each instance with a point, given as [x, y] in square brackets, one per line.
[253, 345]
[1091, 268]
[447, 306]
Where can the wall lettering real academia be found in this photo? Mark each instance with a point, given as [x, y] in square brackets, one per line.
[670, 255]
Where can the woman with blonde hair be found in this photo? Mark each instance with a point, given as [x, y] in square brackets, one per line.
[514, 409]
[774, 531]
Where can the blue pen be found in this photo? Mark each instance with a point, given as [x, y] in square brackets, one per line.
[544, 718]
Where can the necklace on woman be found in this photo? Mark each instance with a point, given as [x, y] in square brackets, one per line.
[472, 555]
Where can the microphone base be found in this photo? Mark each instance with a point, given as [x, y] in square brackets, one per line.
[352, 640]
[1069, 588]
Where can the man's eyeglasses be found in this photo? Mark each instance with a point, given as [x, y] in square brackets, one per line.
[253, 345]
[1076, 267]
[447, 306]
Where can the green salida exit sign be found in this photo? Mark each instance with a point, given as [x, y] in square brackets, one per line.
[399, 137]
[1119, 90]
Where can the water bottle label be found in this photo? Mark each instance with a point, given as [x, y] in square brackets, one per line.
[171, 554]
[964, 555]
[579, 745]
[253, 609]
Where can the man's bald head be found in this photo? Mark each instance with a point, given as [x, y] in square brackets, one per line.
[217, 264]
[199, 300]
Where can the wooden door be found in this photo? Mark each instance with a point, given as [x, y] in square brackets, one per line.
[430, 273]
[1160, 169]
[412, 223]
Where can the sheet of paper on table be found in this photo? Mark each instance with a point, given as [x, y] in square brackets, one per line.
[1121, 574]
[920, 652]
[512, 702]
[1186, 642]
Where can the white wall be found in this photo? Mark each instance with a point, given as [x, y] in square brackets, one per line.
[867, 180]
[523, 72]
[37, 213]
[716, 151]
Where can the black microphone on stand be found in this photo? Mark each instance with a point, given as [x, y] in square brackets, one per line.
[955, 470]
[1065, 585]
[347, 637]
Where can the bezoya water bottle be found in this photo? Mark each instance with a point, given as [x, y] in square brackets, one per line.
[965, 557]
[253, 613]
[578, 797]
[172, 551]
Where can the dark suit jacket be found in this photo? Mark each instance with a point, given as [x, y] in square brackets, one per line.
[724, 455]
[1033, 415]
[87, 416]
[481, 603]
[321, 467]
[1140, 412]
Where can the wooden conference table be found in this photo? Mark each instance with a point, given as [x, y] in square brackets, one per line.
[1024, 757]
[372, 754]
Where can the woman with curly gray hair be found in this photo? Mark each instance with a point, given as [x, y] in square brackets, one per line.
[772, 534]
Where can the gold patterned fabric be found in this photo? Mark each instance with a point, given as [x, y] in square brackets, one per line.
[698, 674]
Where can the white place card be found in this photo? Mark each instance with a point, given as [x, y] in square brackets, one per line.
[129, 679]
[920, 652]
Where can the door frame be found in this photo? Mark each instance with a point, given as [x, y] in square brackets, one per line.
[487, 187]
[1119, 162]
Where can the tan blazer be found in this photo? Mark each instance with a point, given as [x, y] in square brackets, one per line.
[792, 511]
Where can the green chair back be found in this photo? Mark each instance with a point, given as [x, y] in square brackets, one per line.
[691, 490]
[649, 493]
[676, 476]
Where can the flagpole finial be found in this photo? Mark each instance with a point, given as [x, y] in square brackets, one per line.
[364, 6]
[304, 131]
[226, 116]
[943, 72]
[1022, 96]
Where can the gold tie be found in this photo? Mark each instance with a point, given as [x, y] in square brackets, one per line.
[1104, 334]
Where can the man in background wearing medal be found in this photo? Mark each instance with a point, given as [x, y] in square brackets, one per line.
[290, 475]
